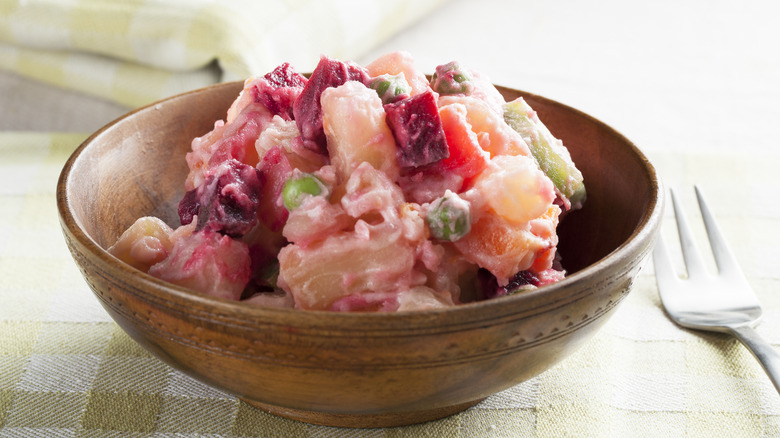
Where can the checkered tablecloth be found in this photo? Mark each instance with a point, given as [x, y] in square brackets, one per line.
[67, 370]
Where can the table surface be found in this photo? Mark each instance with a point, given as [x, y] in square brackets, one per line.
[693, 83]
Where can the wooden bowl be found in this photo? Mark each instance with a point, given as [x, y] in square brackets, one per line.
[352, 369]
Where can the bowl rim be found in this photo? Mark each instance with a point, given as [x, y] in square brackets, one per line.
[206, 307]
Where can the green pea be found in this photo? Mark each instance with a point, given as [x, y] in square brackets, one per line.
[449, 218]
[389, 87]
[451, 78]
[296, 188]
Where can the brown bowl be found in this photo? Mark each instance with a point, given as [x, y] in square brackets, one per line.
[352, 369]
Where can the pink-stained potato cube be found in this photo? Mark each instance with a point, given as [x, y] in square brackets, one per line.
[377, 255]
[208, 262]
[515, 188]
[356, 131]
[494, 135]
[146, 242]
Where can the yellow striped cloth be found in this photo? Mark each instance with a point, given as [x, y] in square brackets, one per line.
[67, 370]
[137, 51]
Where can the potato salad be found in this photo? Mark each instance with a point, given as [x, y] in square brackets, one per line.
[369, 188]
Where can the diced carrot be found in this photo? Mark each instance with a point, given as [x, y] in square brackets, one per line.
[467, 157]
[504, 248]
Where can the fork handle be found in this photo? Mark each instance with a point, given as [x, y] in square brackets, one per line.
[766, 355]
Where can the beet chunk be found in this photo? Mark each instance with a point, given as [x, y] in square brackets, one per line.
[285, 76]
[522, 278]
[417, 129]
[189, 206]
[279, 89]
[307, 109]
[489, 287]
[226, 202]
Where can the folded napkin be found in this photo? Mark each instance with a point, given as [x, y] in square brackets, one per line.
[134, 52]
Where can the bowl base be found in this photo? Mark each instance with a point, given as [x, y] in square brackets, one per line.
[362, 420]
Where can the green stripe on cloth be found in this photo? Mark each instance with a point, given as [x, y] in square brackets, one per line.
[122, 411]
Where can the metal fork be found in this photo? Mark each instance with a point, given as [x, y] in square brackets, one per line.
[722, 303]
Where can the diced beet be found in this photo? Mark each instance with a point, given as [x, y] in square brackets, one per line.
[226, 202]
[279, 89]
[417, 129]
[274, 169]
[522, 278]
[307, 109]
[285, 76]
[489, 287]
[189, 206]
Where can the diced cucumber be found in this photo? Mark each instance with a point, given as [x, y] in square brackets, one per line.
[550, 153]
